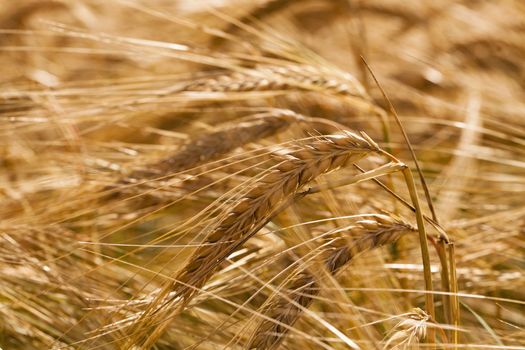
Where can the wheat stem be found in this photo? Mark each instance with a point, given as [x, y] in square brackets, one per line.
[424, 250]
[454, 290]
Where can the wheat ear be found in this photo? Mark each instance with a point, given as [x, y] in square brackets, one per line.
[286, 77]
[244, 219]
[372, 232]
[408, 332]
[213, 145]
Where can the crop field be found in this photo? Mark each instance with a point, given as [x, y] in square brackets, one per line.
[262, 174]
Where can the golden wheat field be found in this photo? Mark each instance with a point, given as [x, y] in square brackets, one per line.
[262, 174]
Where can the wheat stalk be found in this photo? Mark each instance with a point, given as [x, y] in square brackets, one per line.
[372, 232]
[243, 220]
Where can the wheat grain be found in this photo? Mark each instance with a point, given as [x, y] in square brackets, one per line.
[372, 232]
[211, 146]
[295, 170]
[286, 77]
[409, 331]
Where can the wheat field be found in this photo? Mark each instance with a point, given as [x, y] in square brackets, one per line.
[262, 174]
